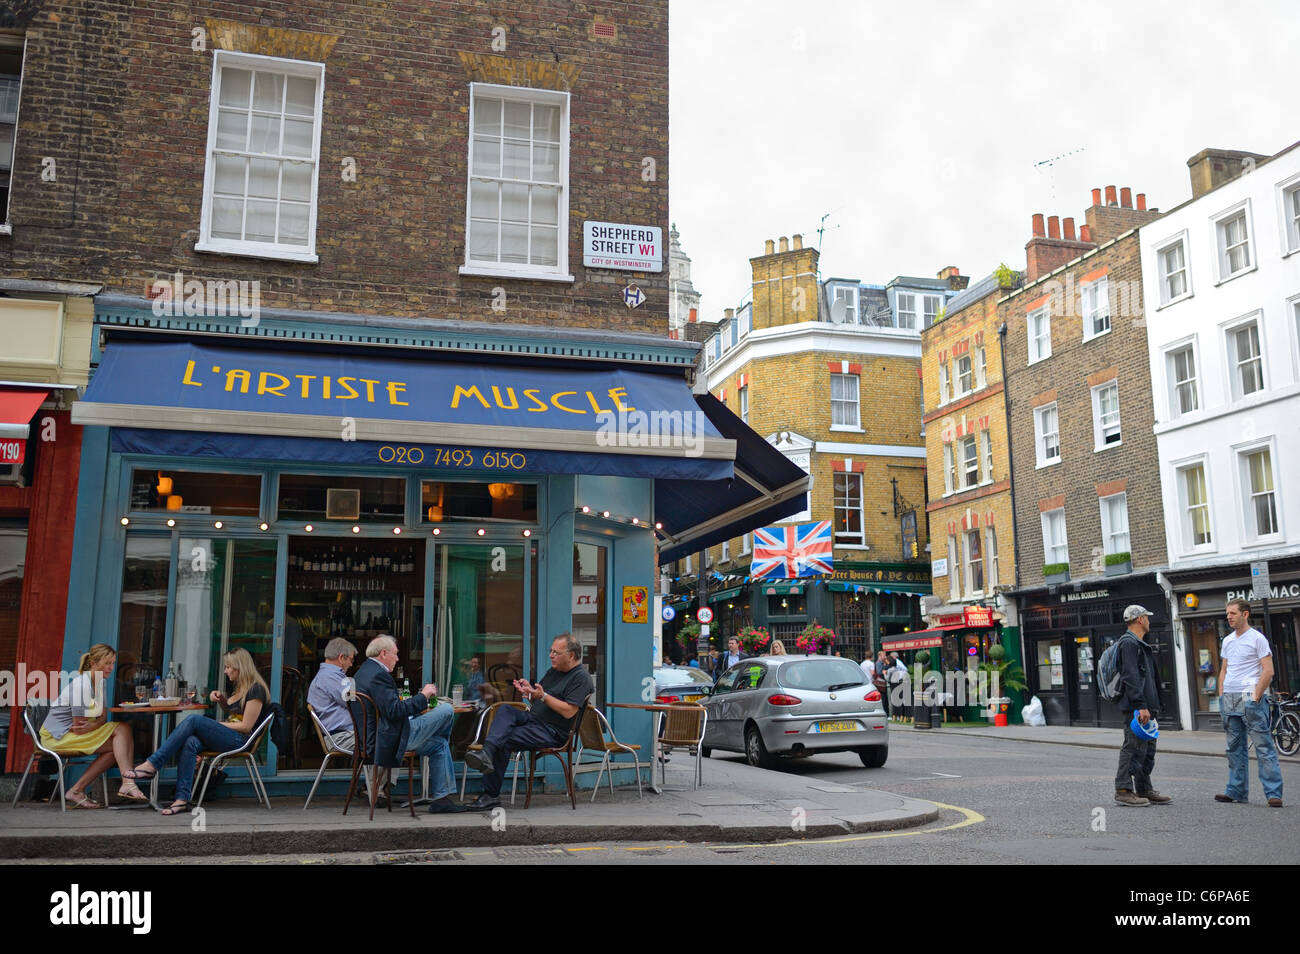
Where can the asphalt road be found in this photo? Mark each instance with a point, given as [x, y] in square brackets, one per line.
[1007, 802]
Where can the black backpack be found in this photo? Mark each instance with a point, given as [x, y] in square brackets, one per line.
[1109, 683]
[280, 728]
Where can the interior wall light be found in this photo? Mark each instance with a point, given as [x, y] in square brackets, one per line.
[164, 485]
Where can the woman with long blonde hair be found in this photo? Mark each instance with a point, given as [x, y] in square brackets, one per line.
[78, 725]
[244, 708]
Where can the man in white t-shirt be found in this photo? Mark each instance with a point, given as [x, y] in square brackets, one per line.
[1244, 676]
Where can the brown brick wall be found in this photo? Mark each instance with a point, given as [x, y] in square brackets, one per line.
[115, 94]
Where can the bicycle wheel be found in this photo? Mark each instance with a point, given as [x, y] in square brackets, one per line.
[1287, 733]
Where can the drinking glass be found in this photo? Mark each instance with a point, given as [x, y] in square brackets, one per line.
[457, 694]
[140, 693]
[189, 695]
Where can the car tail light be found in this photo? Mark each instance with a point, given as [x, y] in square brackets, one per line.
[872, 696]
[781, 699]
[665, 700]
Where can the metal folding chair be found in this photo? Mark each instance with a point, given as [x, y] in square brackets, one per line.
[331, 750]
[480, 735]
[564, 753]
[684, 725]
[34, 716]
[595, 728]
[247, 752]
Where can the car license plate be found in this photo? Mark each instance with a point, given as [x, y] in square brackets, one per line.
[835, 727]
[692, 698]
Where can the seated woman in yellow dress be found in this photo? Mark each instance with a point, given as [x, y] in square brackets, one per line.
[77, 725]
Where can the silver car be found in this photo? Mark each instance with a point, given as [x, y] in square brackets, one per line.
[769, 706]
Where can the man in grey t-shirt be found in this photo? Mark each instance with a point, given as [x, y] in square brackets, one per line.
[556, 702]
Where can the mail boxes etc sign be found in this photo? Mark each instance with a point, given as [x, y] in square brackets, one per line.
[631, 248]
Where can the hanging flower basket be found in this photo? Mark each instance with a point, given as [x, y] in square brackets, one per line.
[815, 638]
[754, 640]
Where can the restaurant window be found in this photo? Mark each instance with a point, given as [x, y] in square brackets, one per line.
[442, 501]
[11, 69]
[480, 615]
[337, 497]
[591, 611]
[142, 619]
[192, 491]
[788, 605]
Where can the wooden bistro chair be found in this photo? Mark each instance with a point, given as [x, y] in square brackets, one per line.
[329, 746]
[247, 752]
[684, 725]
[365, 713]
[480, 734]
[595, 728]
[564, 753]
[34, 716]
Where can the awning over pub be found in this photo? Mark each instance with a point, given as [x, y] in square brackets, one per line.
[199, 400]
[729, 593]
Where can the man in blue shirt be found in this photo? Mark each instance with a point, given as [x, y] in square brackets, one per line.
[325, 695]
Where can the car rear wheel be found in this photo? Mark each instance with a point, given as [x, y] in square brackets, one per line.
[755, 751]
[874, 758]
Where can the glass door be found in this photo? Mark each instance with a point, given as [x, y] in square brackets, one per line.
[1085, 680]
[590, 610]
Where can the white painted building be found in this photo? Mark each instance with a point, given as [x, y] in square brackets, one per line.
[683, 299]
[1221, 282]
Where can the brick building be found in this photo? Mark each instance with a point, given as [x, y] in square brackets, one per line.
[829, 373]
[1090, 537]
[362, 306]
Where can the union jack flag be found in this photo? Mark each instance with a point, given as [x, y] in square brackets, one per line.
[788, 552]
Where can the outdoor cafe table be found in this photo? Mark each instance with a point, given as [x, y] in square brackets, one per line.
[159, 713]
[659, 711]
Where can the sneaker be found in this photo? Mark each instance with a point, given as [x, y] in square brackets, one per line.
[1275, 803]
[1125, 797]
[483, 803]
[1156, 798]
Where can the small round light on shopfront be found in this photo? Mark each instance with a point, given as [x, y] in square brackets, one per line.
[356, 529]
[397, 530]
[171, 522]
[605, 514]
[659, 526]
[636, 521]
[218, 524]
[436, 531]
[528, 533]
[264, 526]
[126, 521]
[309, 528]
[481, 531]
[586, 509]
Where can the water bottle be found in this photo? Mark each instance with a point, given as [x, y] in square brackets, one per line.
[157, 687]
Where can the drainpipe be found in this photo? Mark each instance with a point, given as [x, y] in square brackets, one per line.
[1011, 467]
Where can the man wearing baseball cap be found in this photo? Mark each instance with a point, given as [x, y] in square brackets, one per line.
[1137, 668]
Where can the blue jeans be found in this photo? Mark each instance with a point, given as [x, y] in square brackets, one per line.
[431, 736]
[196, 734]
[1241, 717]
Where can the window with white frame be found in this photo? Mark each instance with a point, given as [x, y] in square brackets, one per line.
[743, 393]
[1232, 234]
[930, 305]
[259, 184]
[965, 374]
[1047, 435]
[1105, 415]
[1095, 298]
[1258, 494]
[848, 508]
[906, 310]
[1114, 523]
[986, 442]
[991, 556]
[1172, 261]
[954, 570]
[844, 400]
[686, 567]
[1055, 547]
[943, 382]
[981, 367]
[517, 215]
[949, 470]
[1180, 367]
[1245, 361]
[11, 81]
[1291, 216]
[726, 551]
[1040, 334]
[1194, 504]
[970, 461]
[846, 298]
[746, 544]
[974, 563]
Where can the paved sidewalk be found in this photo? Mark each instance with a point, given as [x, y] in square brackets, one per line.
[736, 803]
[1171, 742]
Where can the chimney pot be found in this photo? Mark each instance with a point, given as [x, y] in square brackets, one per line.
[1069, 229]
[1085, 234]
[693, 315]
[798, 241]
[1126, 198]
[1096, 197]
[1038, 228]
[1053, 227]
[785, 244]
[769, 247]
[1110, 196]
[1142, 201]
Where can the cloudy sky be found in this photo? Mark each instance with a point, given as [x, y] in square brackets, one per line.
[920, 127]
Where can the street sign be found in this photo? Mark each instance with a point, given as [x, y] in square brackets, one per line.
[1259, 589]
[623, 246]
[704, 630]
[705, 615]
[632, 296]
[668, 613]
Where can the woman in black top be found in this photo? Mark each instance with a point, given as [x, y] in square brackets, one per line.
[244, 709]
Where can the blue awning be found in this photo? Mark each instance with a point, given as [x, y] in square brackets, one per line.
[766, 487]
[191, 399]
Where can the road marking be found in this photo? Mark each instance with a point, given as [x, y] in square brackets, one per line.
[970, 817]
[932, 775]
[589, 848]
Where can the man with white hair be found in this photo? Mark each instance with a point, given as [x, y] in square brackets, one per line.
[405, 725]
[327, 690]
